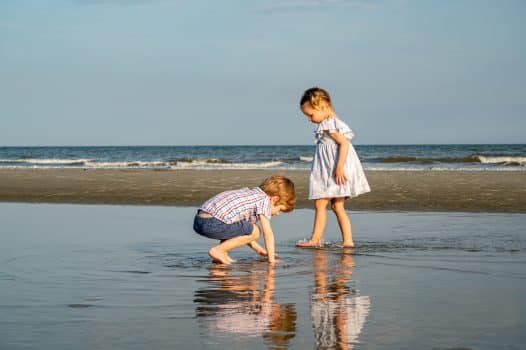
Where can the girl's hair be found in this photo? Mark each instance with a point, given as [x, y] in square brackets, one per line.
[315, 96]
[282, 187]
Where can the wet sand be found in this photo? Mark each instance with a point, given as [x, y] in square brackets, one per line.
[472, 191]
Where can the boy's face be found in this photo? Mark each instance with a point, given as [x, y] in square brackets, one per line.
[276, 209]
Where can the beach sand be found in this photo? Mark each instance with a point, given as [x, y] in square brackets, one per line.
[138, 277]
[473, 191]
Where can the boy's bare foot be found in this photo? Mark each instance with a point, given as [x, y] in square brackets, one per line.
[230, 259]
[308, 243]
[219, 256]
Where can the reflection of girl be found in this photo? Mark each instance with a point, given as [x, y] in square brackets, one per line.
[238, 305]
[337, 313]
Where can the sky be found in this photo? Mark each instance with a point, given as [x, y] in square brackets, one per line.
[193, 72]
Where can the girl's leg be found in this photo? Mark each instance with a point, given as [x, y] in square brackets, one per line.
[320, 220]
[338, 207]
[219, 253]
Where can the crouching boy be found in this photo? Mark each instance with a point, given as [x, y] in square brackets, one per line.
[231, 217]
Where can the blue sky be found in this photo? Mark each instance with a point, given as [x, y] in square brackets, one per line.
[177, 72]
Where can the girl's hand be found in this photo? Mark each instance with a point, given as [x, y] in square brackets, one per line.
[343, 145]
[339, 175]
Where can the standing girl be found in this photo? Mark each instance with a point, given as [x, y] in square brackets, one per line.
[336, 172]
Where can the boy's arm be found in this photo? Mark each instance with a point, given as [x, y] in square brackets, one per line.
[260, 250]
[268, 236]
[257, 248]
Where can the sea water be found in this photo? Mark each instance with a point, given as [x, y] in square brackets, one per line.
[373, 157]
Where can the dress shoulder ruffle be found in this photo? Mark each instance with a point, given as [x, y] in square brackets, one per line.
[333, 125]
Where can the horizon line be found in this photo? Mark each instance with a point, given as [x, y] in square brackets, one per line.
[261, 145]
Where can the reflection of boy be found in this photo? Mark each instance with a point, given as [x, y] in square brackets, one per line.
[231, 217]
[238, 305]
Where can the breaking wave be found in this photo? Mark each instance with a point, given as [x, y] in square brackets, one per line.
[511, 160]
[200, 163]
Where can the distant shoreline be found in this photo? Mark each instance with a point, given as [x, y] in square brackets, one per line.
[469, 191]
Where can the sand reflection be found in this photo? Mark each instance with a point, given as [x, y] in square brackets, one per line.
[338, 313]
[240, 303]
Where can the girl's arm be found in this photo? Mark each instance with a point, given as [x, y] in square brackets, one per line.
[343, 149]
[268, 236]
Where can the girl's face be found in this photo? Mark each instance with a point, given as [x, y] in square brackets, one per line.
[316, 115]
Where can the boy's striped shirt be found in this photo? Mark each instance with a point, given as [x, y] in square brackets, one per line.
[236, 205]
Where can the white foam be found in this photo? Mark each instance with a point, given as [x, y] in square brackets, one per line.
[208, 165]
[445, 169]
[133, 164]
[306, 158]
[92, 164]
[502, 159]
[46, 161]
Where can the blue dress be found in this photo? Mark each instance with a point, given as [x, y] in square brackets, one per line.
[322, 183]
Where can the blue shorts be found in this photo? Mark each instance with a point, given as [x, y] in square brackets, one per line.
[214, 228]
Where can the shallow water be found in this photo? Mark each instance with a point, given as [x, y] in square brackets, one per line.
[133, 277]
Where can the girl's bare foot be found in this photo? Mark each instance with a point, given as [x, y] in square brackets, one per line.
[218, 256]
[308, 243]
[345, 244]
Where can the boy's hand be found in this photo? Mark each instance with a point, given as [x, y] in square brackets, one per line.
[264, 253]
[276, 261]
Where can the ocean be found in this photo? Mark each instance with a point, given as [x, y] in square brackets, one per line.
[480, 157]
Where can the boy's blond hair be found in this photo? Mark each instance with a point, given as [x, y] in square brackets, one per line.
[282, 187]
[315, 96]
